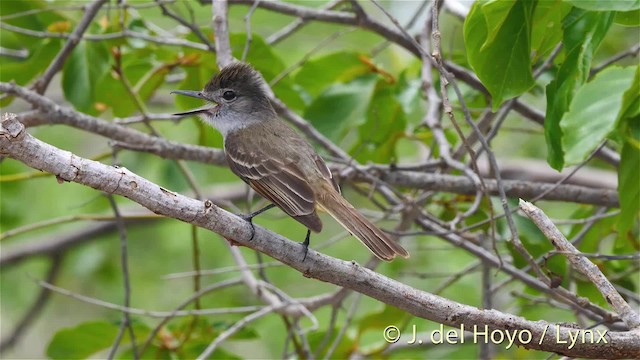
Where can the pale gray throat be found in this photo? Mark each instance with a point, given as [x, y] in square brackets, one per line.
[229, 122]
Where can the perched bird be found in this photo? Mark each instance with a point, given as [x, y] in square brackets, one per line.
[275, 161]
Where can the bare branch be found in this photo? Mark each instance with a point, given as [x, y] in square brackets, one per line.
[512, 188]
[582, 264]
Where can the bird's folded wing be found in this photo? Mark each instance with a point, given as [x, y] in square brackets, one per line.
[278, 180]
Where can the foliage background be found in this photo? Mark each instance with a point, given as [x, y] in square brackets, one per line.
[351, 102]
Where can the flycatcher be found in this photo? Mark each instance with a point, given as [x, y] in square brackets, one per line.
[277, 162]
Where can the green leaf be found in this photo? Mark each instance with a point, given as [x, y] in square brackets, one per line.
[152, 80]
[628, 18]
[385, 124]
[37, 20]
[112, 92]
[593, 113]
[85, 67]
[380, 320]
[88, 338]
[23, 72]
[316, 75]
[583, 32]
[341, 107]
[629, 177]
[497, 36]
[547, 27]
[608, 5]
[631, 99]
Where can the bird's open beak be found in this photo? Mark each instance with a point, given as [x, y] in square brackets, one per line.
[194, 94]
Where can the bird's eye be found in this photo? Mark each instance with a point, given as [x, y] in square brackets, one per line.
[229, 95]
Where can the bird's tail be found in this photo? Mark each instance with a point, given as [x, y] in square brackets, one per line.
[375, 239]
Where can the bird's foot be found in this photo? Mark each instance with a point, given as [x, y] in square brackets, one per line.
[305, 244]
[249, 218]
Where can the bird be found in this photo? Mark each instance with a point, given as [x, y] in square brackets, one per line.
[277, 162]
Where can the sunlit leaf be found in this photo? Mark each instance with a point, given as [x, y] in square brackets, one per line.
[341, 107]
[593, 113]
[319, 73]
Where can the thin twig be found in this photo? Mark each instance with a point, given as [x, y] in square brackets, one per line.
[124, 261]
[247, 22]
[35, 309]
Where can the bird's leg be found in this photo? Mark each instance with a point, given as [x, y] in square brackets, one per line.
[306, 244]
[249, 218]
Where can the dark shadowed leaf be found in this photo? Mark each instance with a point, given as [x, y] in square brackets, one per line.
[385, 124]
[583, 32]
[628, 180]
[86, 65]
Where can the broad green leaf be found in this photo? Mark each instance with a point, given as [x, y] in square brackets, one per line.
[88, 338]
[547, 26]
[593, 113]
[86, 65]
[112, 93]
[385, 124]
[341, 107]
[315, 75]
[497, 36]
[629, 177]
[608, 5]
[628, 18]
[583, 32]
[151, 81]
